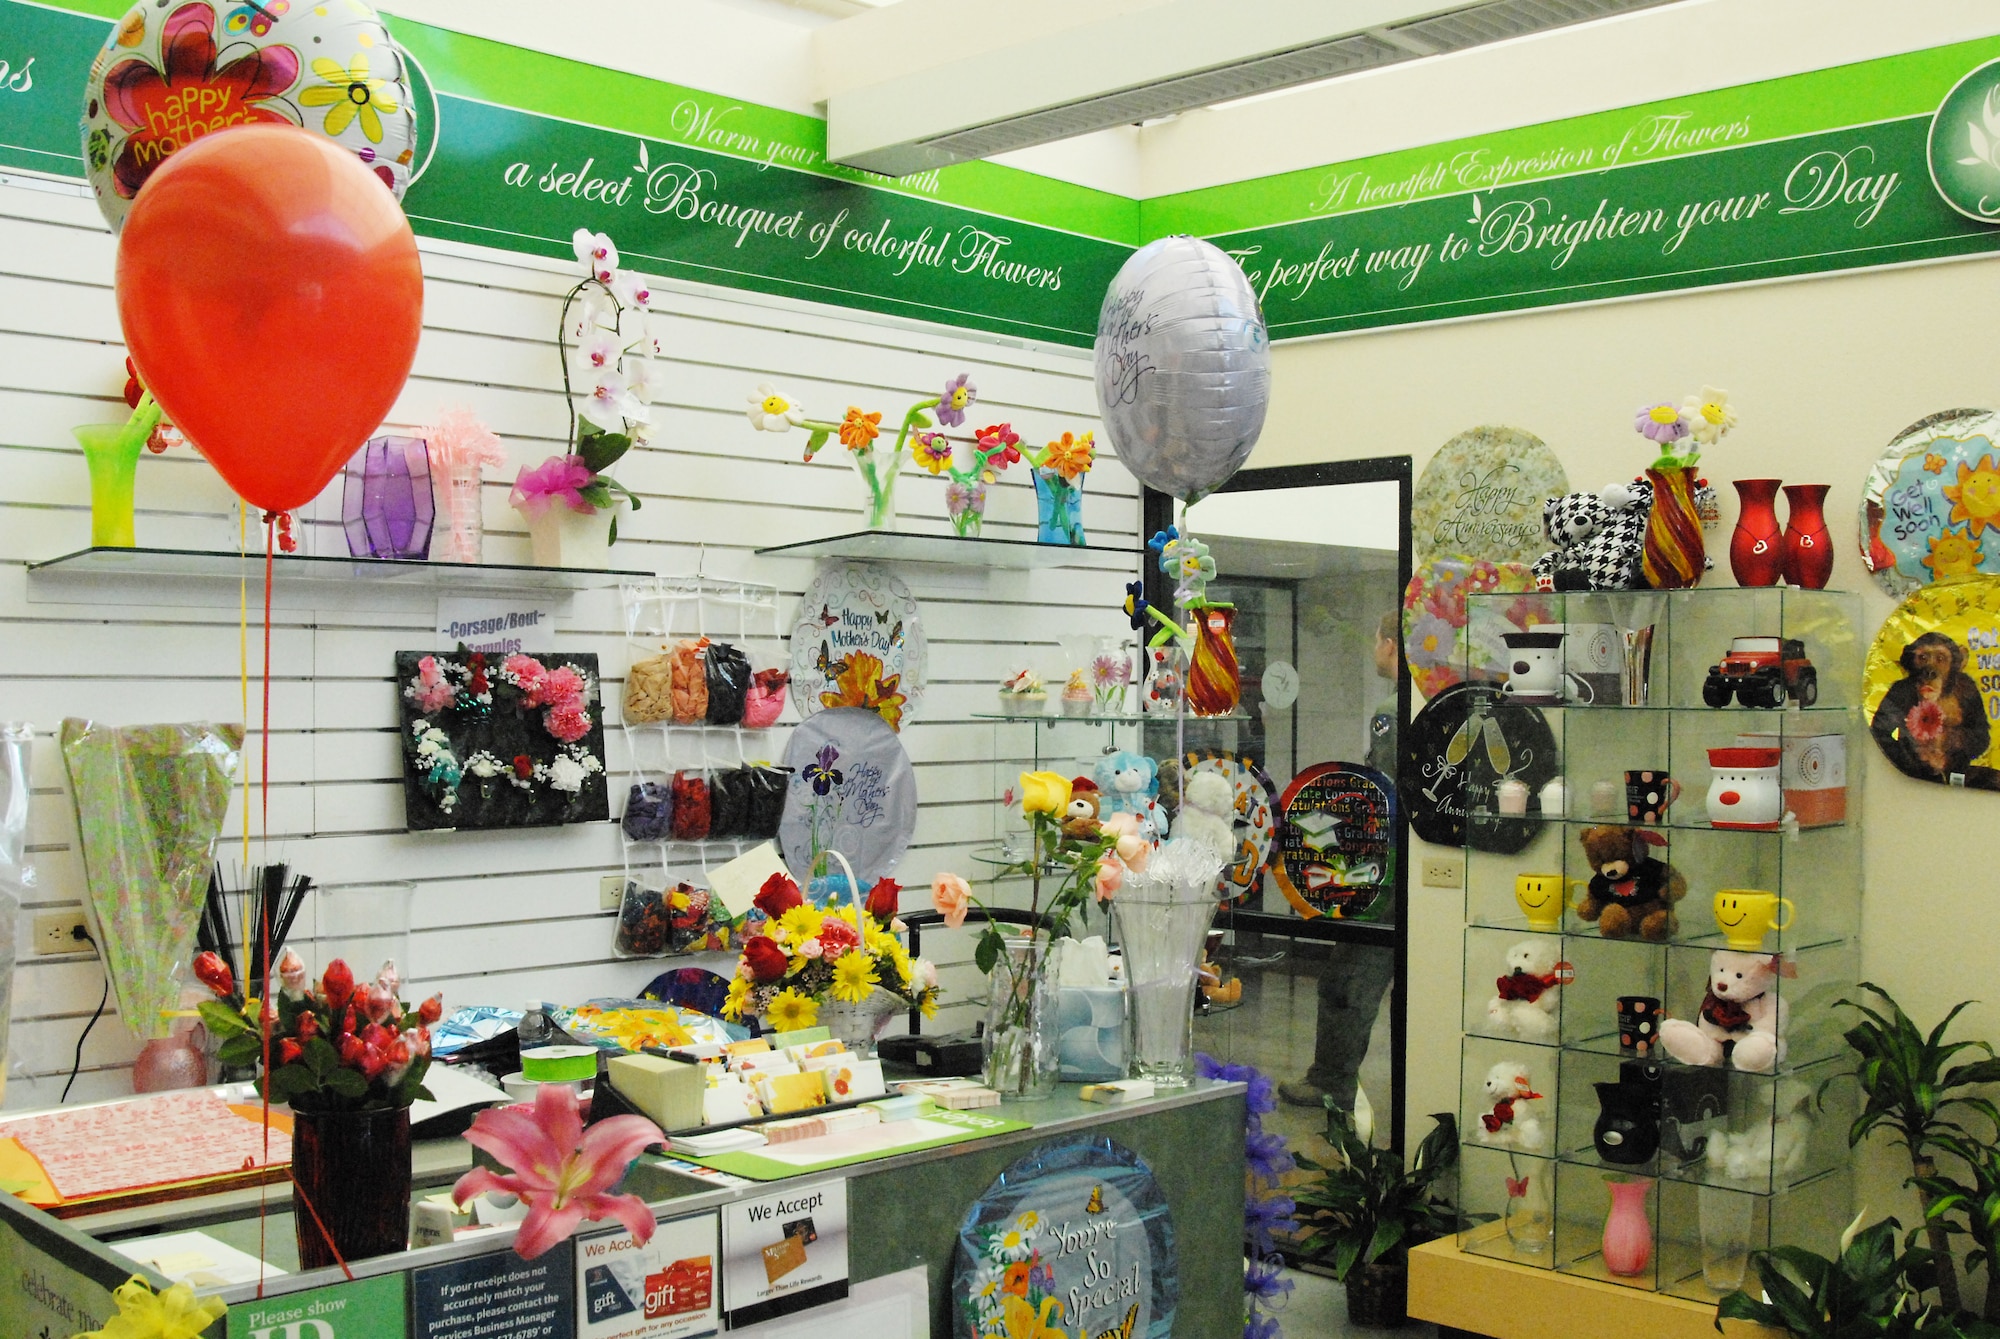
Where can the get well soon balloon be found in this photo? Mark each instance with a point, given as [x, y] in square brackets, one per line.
[173, 71]
[1183, 366]
[271, 298]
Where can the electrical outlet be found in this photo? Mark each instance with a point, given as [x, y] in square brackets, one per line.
[611, 892]
[1443, 871]
[61, 932]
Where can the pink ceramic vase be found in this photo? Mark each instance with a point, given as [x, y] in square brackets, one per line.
[1628, 1233]
[1755, 554]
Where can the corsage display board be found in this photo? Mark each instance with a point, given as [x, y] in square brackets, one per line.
[1336, 850]
[1075, 1238]
[1928, 687]
[500, 741]
[1930, 510]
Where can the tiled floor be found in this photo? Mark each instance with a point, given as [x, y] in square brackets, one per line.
[1317, 1309]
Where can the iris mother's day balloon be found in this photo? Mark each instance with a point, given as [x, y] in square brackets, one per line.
[1183, 366]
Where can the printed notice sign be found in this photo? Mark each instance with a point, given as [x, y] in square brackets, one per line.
[784, 1252]
[664, 1289]
[363, 1309]
[499, 1294]
[497, 626]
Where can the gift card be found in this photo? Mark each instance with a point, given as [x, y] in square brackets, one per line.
[802, 1228]
[783, 1258]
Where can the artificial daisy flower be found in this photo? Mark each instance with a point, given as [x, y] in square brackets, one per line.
[1708, 415]
[854, 978]
[771, 410]
[791, 1011]
[930, 450]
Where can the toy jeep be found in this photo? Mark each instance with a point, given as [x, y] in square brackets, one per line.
[1762, 672]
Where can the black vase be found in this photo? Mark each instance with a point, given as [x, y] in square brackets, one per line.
[1628, 1122]
[351, 1175]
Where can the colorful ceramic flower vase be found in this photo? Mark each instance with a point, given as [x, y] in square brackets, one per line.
[1214, 678]
[111, 450]
[461, 506]
[1675, 554]
[351, 1178]
[1808, 547]
[1059, 509]
[966, 505]
[1628, 1232]
[386, 507]
[1756, 557]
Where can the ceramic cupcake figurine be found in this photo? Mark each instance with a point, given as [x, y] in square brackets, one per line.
[1022, 695]
[1077, 699]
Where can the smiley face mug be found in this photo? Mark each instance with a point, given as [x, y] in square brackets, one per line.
[1540, 897]
[1746, 915]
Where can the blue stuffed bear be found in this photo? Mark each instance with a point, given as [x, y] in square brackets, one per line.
[1129, 783]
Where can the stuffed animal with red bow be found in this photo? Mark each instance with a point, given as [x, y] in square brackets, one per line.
[1630, 891]
[1524, 1000]
[1742, 1017]
[1512, 1122]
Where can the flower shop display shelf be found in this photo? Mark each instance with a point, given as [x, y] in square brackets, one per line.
[1011, 554]
[902, 1209]
[148, 572]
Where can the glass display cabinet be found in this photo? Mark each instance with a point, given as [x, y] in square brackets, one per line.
[1661, 814]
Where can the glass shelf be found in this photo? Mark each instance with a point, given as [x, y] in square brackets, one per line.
[1114, 718]
[1685, 709]
[1016, 554]
[1485, 816]
[209, 564]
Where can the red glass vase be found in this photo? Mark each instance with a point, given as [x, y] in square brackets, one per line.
[1808, 547]
[1675, 554]
[1756, 555]
[1214, 679]
[354, 1168]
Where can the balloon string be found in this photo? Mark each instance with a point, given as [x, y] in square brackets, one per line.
[243, 672]
[264, 931]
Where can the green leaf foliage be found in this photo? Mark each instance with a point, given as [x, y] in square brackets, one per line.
[600, 449]
[223, 1021]
[1367, 1204]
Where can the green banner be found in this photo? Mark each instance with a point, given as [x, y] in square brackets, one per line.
[364, 1309]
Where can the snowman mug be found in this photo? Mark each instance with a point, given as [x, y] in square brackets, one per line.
[1746, 915]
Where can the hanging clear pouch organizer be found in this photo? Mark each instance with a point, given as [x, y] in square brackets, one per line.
[16, 751]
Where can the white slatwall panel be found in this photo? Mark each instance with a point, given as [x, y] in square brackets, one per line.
[498, 916]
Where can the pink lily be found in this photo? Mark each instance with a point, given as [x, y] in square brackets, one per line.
[561, 1171]
[557, 479]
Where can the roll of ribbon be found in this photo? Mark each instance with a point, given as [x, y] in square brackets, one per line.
[559, 1064]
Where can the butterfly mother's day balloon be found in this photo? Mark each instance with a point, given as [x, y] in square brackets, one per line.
[1183, 366]
[171, 73]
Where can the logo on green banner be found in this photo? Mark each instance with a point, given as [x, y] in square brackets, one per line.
[363, 1309]
[1964, 148]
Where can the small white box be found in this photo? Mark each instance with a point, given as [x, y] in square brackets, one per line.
[1813, 776]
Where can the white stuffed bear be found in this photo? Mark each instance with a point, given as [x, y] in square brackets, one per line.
[1208, 811]
[1741, 1017]
[1512, 1122]
[1524, 1003]
[1780, 1128]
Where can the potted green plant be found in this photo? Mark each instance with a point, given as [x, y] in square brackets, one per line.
[1971, 1206]
[1869, 1290]
[1909, 1086]
[1366, 1211]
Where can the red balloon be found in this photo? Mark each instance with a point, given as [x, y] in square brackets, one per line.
[271, 296]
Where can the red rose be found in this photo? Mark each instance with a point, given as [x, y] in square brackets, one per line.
[778, 896]
[524, 766]
[337, 984]
[431, 1010]
[308, 1026]
[213, 972]
[288, 1051]
[882, 898]
[766, 961]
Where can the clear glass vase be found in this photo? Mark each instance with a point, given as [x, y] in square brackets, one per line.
[1022, 1059]
[1162, 916]
[966, 505]
[461, 536]
[1530, 1219]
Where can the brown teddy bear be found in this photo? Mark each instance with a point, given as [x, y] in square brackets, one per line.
[1629, 892]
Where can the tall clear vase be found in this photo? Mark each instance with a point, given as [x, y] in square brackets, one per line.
[1162, 916]
[462, 530]
[1022, 1060]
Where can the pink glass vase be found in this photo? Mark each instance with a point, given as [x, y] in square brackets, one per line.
[1807, 546]
[1755, 555]
[1628, 1233]
[174, 1061]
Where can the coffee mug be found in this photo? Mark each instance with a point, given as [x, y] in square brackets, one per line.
[1638, 1025]
[1745, 916]
[1648, 793]
[1540, 897]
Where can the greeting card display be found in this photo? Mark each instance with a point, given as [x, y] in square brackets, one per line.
[492, 741]
[858, 643]
[1930, 510]
[1335, 853]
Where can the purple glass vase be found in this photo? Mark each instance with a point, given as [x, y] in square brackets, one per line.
[386, 506]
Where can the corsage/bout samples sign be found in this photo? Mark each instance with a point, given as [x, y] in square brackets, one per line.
[1074, 1241]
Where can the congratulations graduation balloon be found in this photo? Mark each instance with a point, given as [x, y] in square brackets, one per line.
[171, 73]
[1183, 366]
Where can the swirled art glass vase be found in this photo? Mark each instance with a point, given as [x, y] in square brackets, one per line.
[1214, 677]
[1675, 554]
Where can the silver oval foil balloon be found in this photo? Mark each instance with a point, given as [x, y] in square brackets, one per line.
[1183, 366]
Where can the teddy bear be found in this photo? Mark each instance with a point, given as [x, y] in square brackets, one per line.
[1598, 537]
[1512, 1123]
[1129, 783]
[1629, 892]
[1208, 811]
[1524, 1004]
[1742, 1017]
[1080, 817]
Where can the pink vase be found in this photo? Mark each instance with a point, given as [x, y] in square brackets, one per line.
[1756, 556]
[1808, 547]
[170, 1062]
[1628, 1233]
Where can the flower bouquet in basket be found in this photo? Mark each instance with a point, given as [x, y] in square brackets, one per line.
[843, 967]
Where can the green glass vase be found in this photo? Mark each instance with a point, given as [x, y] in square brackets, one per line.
[112, 452]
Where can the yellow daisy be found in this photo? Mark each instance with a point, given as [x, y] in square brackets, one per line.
[791, 1011]
[927, 1005]
[854, 978]
[737, 1000]
[348, 93]
[799, 924]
